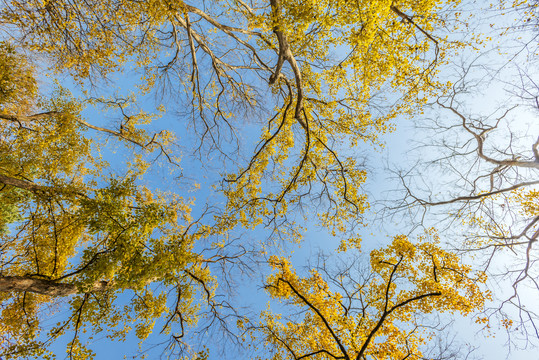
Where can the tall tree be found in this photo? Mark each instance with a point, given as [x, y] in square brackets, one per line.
[338, 72]
[74, 232]
[371, 314]
[483, 146]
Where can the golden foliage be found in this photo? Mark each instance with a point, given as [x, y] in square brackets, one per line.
[376, 318]
[72, 228]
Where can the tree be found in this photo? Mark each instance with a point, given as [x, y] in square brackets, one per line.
[488, 160]
[338, 72]
[77, 233]
[373, 314]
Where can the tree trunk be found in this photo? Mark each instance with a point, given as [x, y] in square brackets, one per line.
[22, 184]
[44, 287]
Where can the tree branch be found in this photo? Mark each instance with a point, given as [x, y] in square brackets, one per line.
[317, 311]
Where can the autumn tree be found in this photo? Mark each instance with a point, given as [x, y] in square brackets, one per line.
[477, 173]
[76, 234]
[336, 73]
[369, 314]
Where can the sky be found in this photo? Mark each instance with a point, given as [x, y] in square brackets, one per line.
[250, 292]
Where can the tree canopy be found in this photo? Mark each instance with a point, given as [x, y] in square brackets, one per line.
[283, 98]
[337, 71]
[374, 315]
[487, 155]
[75, 232]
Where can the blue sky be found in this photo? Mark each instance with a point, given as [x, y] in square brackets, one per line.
[207, 172]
